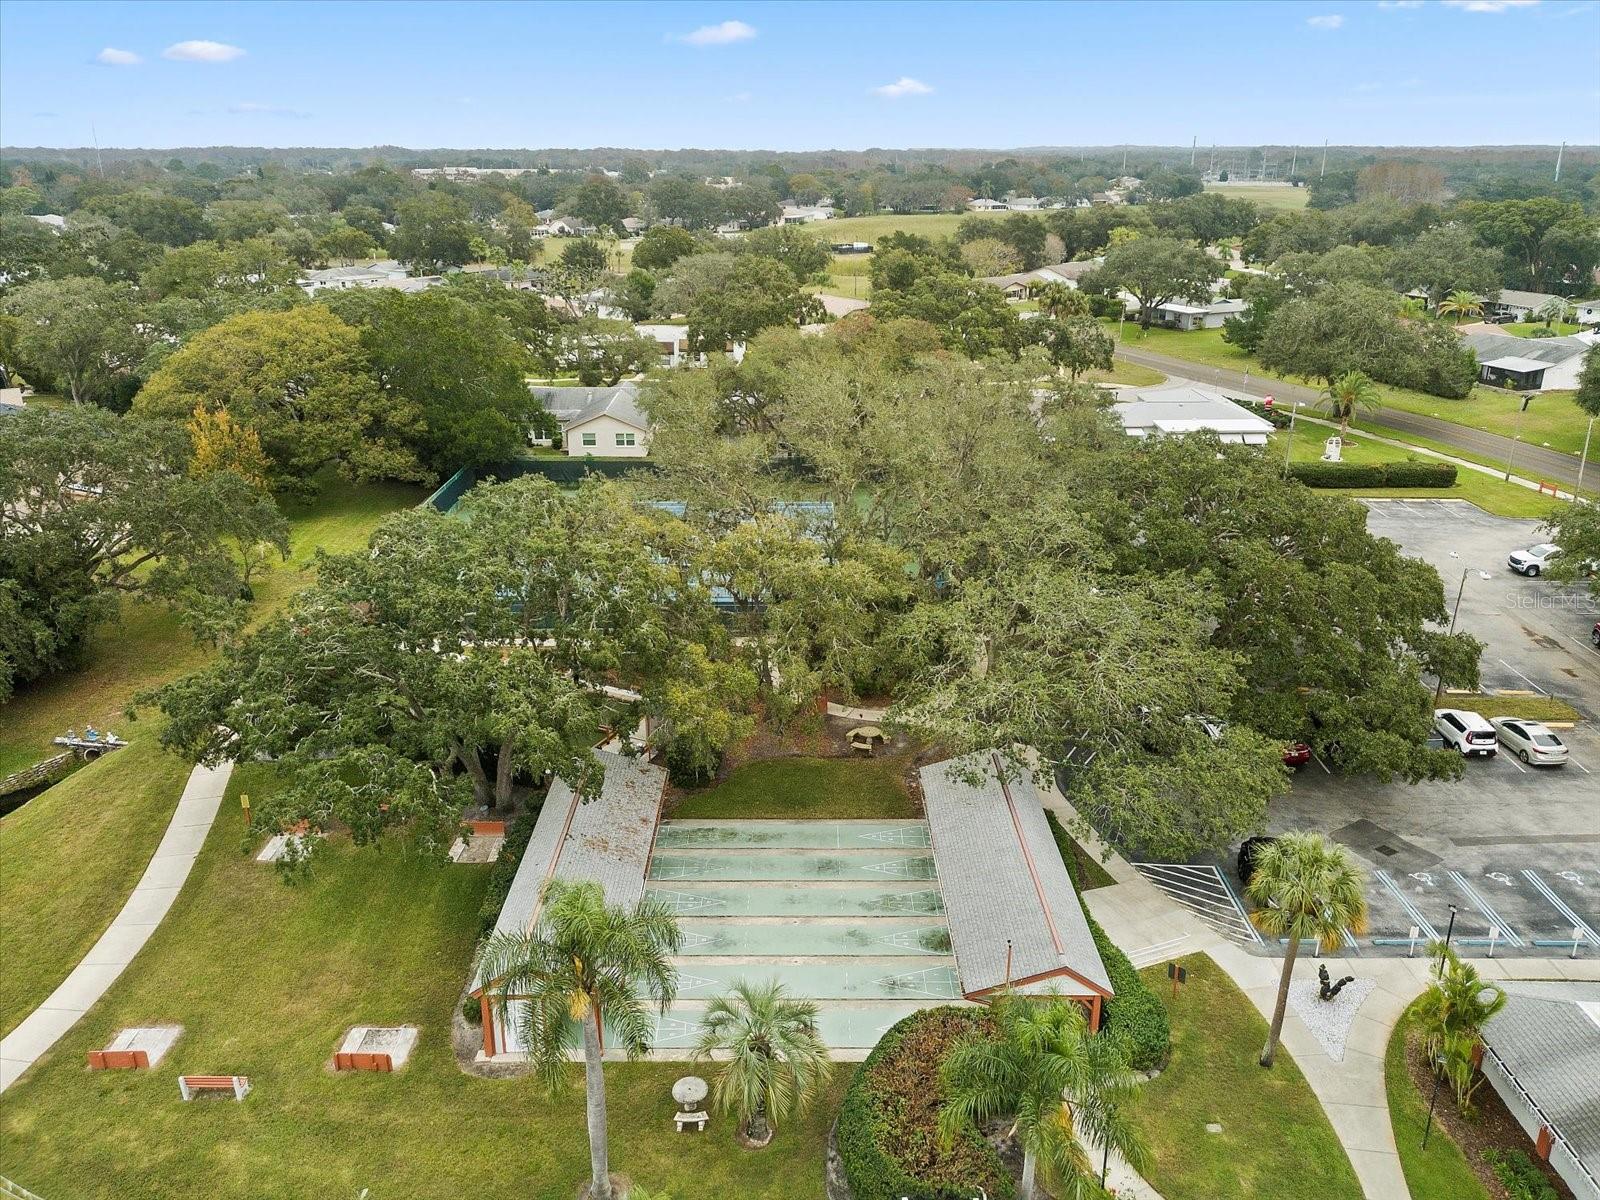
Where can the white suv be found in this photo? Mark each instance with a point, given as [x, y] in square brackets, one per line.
[1465, 731]
[1534, 560]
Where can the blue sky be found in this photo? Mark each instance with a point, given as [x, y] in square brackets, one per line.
[799, 76]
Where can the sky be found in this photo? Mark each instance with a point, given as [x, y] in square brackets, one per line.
[799, 76]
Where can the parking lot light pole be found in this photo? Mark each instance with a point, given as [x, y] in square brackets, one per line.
[1438, 1078]
[1454, 613]
[1449, 929]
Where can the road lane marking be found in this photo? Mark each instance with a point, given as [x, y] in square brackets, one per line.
[1521, 676]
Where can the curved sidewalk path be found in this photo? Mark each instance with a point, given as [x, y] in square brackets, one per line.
[145, 907]
[1150, 928]
[1528, 457]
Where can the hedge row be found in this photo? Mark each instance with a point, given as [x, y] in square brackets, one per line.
[1274, 415]
[505, 867]
[1409, 473]
[1134, 1012]
[888, 1136]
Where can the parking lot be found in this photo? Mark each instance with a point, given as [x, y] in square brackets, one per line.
[1515, 849]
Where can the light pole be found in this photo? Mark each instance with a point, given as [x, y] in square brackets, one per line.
[1583, 460]
[1288, 442]
[1427, 1128]
[1449, 929]
[1511, 459]
[1454, 613]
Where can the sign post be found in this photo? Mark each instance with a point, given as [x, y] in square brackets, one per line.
[1178, 975]
[244, 805]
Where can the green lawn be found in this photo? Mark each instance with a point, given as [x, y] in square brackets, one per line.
[1440, 1172]
[1526, 328]
[848, 274]
[1493, 495]
[1277, 197]
[69, 858]
[806, 789]
[1126, 374]
[265, 978]
[1275, 1141]
[1552, 419]
[147, 645]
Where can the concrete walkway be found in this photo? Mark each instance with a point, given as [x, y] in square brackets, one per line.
[144, 910]
[1151, 928]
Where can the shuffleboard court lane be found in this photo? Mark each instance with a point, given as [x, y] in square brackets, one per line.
[792, 835]
[802, 900]
[849, 1025]
[880, 937]
[886, 865]
[884, 979]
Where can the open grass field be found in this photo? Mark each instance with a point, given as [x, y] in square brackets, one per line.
[848, 274]
[1126, 374]
[265, 979]
[69, 858]
[806, 789]
[147, 645]
[1275, 196]
[1441, 1171]
[1553, 419]
[1275, 1141]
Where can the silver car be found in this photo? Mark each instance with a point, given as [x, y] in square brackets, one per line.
[1530, 741]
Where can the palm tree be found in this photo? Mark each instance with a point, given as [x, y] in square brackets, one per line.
[1460, 304]
[1345, 394]
[776, 1062]
[585, 962]
[1053, 1079]
[1452, 1014]
[1305, 887]
[1552, 310]
[1058, 300]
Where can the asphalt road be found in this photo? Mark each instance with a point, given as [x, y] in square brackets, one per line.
[1535, 462]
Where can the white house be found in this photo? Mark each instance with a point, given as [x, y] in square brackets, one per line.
[1586, 312]
[982, 204]
[1517, 306]
[1529, 364]
[672, 339]
[604, 422]
[805, 214]
[1176, 314]
[1188, 408]
[1021, 285]
[386, 273]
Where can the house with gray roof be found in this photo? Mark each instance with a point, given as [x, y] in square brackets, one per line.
[1529, 364]
[1542, 1055]
[603, 421]
[1512, 305]
[1188, 408]
[603, 834]
[1015, 919]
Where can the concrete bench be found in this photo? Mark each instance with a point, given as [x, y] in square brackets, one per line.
[190, 1085]
[118, 1060]
[697, 1119]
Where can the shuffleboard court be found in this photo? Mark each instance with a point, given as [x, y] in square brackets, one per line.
[798, 867]
[792, 835]
[878, 937]
[888, 979]
[854, 1026]
[729, 900]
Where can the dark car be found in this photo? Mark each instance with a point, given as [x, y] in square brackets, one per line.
[1594, 634]
[1249, 852]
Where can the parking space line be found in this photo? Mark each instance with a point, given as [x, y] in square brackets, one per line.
[1404, 900]
[1510, 758]
[1522, 677]
[1486, 908]
[1579, 765]
[1560, 904]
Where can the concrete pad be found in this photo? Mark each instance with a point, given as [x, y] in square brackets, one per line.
[79, 991]
[277, 844]
[397, 1041]
[147, 906]
[154, 1040]
[118, 945]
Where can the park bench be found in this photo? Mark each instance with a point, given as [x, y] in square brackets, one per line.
[189, 1085]
[697, 1119]
[118, 1060]
[359, 1060]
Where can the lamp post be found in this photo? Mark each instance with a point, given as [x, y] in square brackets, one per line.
[1449, 929]
[1583, 459]
[1288, 442]
[1438, 1078]
[1105, 1164]
[1511, 459]
[1454, 613]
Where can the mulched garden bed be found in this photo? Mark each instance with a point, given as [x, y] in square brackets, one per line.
[1492, 1128]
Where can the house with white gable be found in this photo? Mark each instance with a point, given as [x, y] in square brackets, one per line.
[603, 421]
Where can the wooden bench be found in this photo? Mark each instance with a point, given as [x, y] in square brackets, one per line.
[118, 1060]
[487, 828]
[697, 1119]
[357, 1060]
[189, 1085]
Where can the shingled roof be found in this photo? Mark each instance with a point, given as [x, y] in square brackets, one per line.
[1003, 881]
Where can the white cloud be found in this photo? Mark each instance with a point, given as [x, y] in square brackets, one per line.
[1332, 21]
[1489, 6]
[904, 86]
[202, 51]
[724, 34]
[251, 107]
[113, 57]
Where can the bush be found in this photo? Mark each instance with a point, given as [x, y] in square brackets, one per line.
[505, 867]
[1520, 1177]
[1408, 473]
[1134, 1013]
[1276, 416]
[472, 1011]
[888, 1133]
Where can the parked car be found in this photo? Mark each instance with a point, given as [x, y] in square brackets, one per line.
[1531, 742]
[1594, 635]
[1532, 561]
[1296, 755]
[1249, 852]
[1465, 731]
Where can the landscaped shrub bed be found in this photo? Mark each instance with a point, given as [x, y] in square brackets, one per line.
[1408, 473]
[1134, 1013]
[888, 1135]
[505, 867]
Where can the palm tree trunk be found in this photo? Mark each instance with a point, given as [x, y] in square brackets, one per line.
[1270, 1050]
[595, 1084]
[1030, 1168]
[758, 1128]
